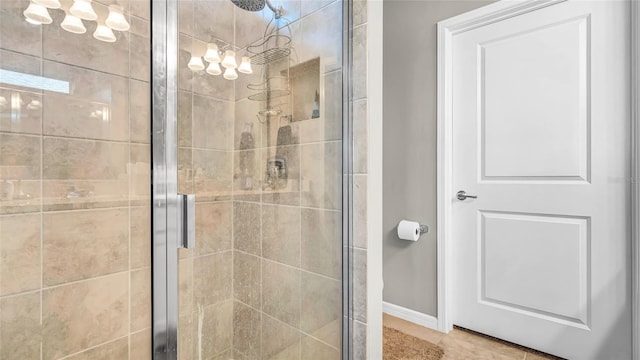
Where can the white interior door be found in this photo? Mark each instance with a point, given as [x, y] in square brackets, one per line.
[541, 117]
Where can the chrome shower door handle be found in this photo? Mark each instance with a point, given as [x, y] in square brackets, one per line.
[187, 221]
[462, 195]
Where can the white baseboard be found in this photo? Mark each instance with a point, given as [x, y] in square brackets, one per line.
[413, 316]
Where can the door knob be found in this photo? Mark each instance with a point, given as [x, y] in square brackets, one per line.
[462, 195]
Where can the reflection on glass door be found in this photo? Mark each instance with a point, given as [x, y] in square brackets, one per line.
[74, 180]
[259, 144]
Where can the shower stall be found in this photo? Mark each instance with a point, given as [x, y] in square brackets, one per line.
[175, 179]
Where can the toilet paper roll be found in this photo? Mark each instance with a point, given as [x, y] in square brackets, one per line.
[409, 230]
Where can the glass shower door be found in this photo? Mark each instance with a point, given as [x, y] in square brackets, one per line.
[259, 104]
[75, 264]
[258, 142]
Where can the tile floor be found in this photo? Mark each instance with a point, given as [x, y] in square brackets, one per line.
[461, 344]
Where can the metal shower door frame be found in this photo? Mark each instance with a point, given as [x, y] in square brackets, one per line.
[347, 183]
[164, 187]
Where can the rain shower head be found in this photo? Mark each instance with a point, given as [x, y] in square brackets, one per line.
[257, 5]
[250, 5]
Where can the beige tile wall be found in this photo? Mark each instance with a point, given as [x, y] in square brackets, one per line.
[360, 177]
[75, 227]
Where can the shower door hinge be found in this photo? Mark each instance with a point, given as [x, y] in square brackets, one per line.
[186, 221]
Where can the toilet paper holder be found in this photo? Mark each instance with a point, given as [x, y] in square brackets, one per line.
[411, 230]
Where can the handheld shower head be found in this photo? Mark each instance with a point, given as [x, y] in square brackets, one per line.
[250, 5]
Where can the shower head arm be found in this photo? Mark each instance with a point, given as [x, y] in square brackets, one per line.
[277, 11]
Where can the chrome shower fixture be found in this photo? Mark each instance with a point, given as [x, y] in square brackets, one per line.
[257, 5]
[250, 5]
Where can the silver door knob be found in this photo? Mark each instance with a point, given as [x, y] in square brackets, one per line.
[462, 195]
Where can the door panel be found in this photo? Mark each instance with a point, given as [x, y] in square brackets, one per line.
[513, 277]
[520, 72]
[540, 122]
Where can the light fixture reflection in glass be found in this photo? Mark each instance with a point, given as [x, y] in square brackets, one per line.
[83, 10]
[34, 105]
[245, 66]
[196, 64]
[51, 4]
[104, 33]
[16, 107]
[116, 19]
[3, 101]
[32, 22]
[212, 55]
[229, 60]
[73, 24]
[214, 69]
[230, 74]
[105, 114]
[38, 14]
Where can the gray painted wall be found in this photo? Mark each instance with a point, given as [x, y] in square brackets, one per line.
[410, 80]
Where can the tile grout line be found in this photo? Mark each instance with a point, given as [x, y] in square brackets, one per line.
[289, 206]
[302, 270]
[41, 203]
[261, 282]
[187, 261]
[233, 164]
[233, 253]
[288, 325]
[129, 200]
[74, 282]
[196, 346]
[66, 64]
[96, 346]
[47, 136]
[300, 242]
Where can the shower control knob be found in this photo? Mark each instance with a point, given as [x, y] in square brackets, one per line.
[462, 195]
